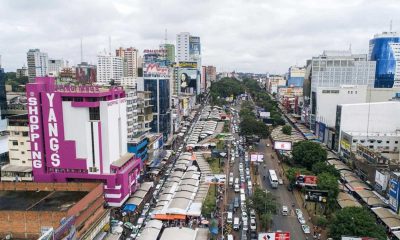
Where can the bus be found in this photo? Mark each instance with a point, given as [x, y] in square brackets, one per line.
[273, 179]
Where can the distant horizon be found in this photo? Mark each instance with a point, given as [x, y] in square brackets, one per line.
[247, 36]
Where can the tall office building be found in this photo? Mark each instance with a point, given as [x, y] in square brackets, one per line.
[130, 61]
[37, 64]
[385, 50]
[78, 133]
[296, 76]
[109, 68]
[188, 48]
[55, 66]
[170, 51]
[211, 73]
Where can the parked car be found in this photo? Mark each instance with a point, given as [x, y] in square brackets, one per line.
[301, 219]
[236, 224]
[298, 212]
[280, 181]
[253, 224]
[306, 228]
[285, 210]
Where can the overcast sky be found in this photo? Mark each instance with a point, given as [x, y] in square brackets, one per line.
[243, 35]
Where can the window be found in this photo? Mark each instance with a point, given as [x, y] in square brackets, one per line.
[23, 161]
[94, 113]
[396, 142]
[15, 143]
[24, 134]
[21, 143]
[362, 141]
[387, 141]
[22, 152]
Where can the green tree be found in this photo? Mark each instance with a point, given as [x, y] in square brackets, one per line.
[252, 126]
[226, 87]
[265, 220]
[263, 202]
[329, 182]
[308, 153]
[355, 221]
[321, 167]
[287, 129]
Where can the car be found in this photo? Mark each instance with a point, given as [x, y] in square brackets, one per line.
[230, 207]
[285, 211]
[245, 224]
[229, 217]
[306, 228]
[236, 224]
[244, 216]
[237, 188]
[244, 236]
[236, 202]
[252, 213]
[129, 225]
[301, 219]
[280, 181]
[253, 235]
[253, 224]
[298, 212]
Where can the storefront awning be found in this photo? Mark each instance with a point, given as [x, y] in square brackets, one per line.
[169, 217]
[129, 208]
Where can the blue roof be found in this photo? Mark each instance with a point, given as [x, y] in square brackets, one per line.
[129, 208]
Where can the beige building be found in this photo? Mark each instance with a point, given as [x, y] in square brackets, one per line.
[130, 61]
[20, 166]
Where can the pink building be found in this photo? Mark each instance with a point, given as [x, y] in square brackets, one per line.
[78, 133]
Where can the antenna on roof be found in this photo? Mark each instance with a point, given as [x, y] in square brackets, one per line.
[391, 25]
[350, 47]
[109, 44]
[81, 51]
[165, 36]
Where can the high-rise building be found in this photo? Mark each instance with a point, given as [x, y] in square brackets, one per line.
[385, 50]
[188, 48]
[85, 73]
[37, 64]
[296, 76]
[22, 72]
[170, 54]
[55, 66]
[130, 61]
[3, 94]
[109, 69]
[78, 133]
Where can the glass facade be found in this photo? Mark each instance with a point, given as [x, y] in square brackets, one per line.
[3, 97]
[382, 52]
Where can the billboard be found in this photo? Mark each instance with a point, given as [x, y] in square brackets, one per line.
[306, 180]
[265, 114]
[194, 46]
[274, 236]
[381, 180]
[187, 65]
[358, 238]
[394, 194]
[316, 195]
[321, 131]
[256, 157]
[285, 146]
[187, 79]
[155, 70]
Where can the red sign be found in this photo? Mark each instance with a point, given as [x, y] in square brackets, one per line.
[308, 180]
[282, 236]
[155, 69]
[274, 236]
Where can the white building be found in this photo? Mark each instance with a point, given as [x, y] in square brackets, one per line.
[109, 68]
[55, 66]
[367, 123]
[182, 47]
[335, 69]
[20, 166]
[37, 64]
[130, 61]
[129, 84]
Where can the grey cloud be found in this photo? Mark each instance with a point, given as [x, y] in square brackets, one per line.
[241, 35]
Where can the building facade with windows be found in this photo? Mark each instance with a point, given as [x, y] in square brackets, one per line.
[86, 73]
[109, 69]
[19, 150]
[79, 133]
[129, 58]
[37, 64]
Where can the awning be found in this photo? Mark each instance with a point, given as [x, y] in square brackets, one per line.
[169, 217]
[129, 208]
[391, 220]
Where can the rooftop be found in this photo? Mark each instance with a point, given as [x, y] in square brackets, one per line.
[39, 201]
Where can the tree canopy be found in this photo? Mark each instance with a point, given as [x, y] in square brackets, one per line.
[321, 167]
[329, 182]
[223, 88]
[287, 129]
[265, 204]
[307, 153]
[355, 221]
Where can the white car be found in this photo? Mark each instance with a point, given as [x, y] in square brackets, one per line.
[237, 188]
[298, 212]
[252, 213]
[301, 219]
[253, 224]
[306, 228]
[244, 216]
[280, 181]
